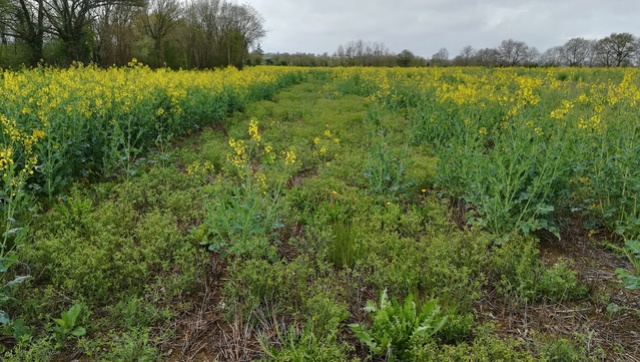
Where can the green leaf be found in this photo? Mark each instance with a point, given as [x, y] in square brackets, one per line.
[370, 307]
[409, 307]
[59, 322]
[11, 232]
[16, 281]
[71, 315]
[384, 299]
[613, 308]
[633, 246]
[79, 332]
[20, 329]
[543, 209]
[4, 318]
[629, 280]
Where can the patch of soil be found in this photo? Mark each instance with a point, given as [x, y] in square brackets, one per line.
[201, 332]
[285, 234]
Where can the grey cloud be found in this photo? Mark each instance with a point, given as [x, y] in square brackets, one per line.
[426, 26]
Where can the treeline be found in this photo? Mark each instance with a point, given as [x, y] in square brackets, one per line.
[173, 33]
[615, 50]
[353, 53]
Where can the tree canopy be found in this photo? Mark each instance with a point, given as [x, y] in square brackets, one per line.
[197, 33]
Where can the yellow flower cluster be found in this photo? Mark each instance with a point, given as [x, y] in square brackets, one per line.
[247, 156]
[201, 170]
[586, 100]
[54, 104]
[237, 158]
[254, 133]
[14, 138]
[322, 145]
[290, 157]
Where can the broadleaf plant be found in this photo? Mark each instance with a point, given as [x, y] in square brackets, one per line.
[396, 326]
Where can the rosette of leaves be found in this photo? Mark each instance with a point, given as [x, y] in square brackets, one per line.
[396, 327]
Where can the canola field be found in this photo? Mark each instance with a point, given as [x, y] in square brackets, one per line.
[319, 214]
[523, 146]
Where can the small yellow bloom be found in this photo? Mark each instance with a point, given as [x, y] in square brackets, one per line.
[290, 158]
[253, 130]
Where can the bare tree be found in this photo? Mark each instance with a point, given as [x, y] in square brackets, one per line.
[552, 57]
[636, 55]
[532, 56]
[623, 45]
[576, 52]
[487, 57]
[616, 50]
[466, 55]
[512, 52]
[603, 53]
[220, 33]
[363, 53]
[441, 57]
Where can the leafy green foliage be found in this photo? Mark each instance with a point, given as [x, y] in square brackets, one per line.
[345, 248]
[302, 243]
[513, 184]
[15, 328]
[99, 251]
[631, 279]
[560, 283]
[578, 347]
[242, 221]
[385, 169]
[458, 328]
[421, 252]
[256, 285]
[136, 313]
[42, 349]
[395, 325]
[524, 277]
[518, 267]
[133, 346]
[485, 348]
[68, 323]
[306, 345]
[327, 313]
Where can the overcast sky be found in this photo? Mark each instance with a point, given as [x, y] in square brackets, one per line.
[318, 26]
